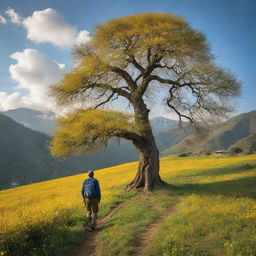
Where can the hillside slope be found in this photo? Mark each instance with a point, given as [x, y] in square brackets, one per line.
[247, 144]
[171, 137]
[23, 154]
[221, 136]
[25, 157]
[206, 208]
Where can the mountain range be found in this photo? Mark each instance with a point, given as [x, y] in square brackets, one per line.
[237, 132]
[45, 121]
[25, 133]
[33, 119]
[25, 157]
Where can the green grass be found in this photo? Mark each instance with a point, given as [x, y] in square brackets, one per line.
[214, 198]
[71, 234]
[215, 215]
[121, 234]
[207, 225]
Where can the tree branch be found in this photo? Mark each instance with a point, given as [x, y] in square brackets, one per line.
[125, 75]
[133, 136]
[162, 80]
[104, 102]
[146, 76]
[149, 55]
[136, 64]
[118, 90]
[179, 113]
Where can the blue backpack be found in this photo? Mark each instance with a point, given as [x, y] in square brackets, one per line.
[89, 188]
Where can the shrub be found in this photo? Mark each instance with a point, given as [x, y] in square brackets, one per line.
[235, 150]
[183, 155]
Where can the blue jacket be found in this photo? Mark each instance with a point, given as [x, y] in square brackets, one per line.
[91, 182]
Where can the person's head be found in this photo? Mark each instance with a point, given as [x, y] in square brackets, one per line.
[90, 173]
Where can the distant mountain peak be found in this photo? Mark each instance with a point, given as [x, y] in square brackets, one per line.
[33, 119]
[160, 123]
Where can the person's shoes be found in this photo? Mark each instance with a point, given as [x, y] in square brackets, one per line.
[89, 228]
[93, 225]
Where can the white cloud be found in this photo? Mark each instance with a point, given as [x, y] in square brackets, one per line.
[2, 20]
[15, 17]
[49, 26]
[16, 100]
[10, 101]
[35, 68]
[82, 37]
[35, 73]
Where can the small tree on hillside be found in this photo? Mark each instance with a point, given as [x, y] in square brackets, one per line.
[126, 58]
[235, 150]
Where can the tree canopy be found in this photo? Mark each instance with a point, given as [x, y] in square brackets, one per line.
[125, 59]
[90, 130]
[128, 55]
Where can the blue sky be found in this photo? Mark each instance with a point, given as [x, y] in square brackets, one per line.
[229, 25]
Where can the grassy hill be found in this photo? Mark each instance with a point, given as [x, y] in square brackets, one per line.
[247, 144]
[25, 157]
[208, 208]
[23, 154]
[221, 136]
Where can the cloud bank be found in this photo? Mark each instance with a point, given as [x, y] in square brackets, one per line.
[49, 26]
[35, 73]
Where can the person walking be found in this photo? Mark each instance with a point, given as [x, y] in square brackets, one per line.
[91, 196]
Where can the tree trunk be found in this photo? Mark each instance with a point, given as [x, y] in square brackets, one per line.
[148, 171]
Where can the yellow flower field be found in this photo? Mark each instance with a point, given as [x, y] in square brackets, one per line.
[54, 202]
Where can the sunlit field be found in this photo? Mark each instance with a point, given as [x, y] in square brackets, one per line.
[36, 219]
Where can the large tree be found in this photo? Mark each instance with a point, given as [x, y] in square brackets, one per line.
[131, 58]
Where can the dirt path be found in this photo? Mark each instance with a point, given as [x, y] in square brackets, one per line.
[88, 247]
[148, 233]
